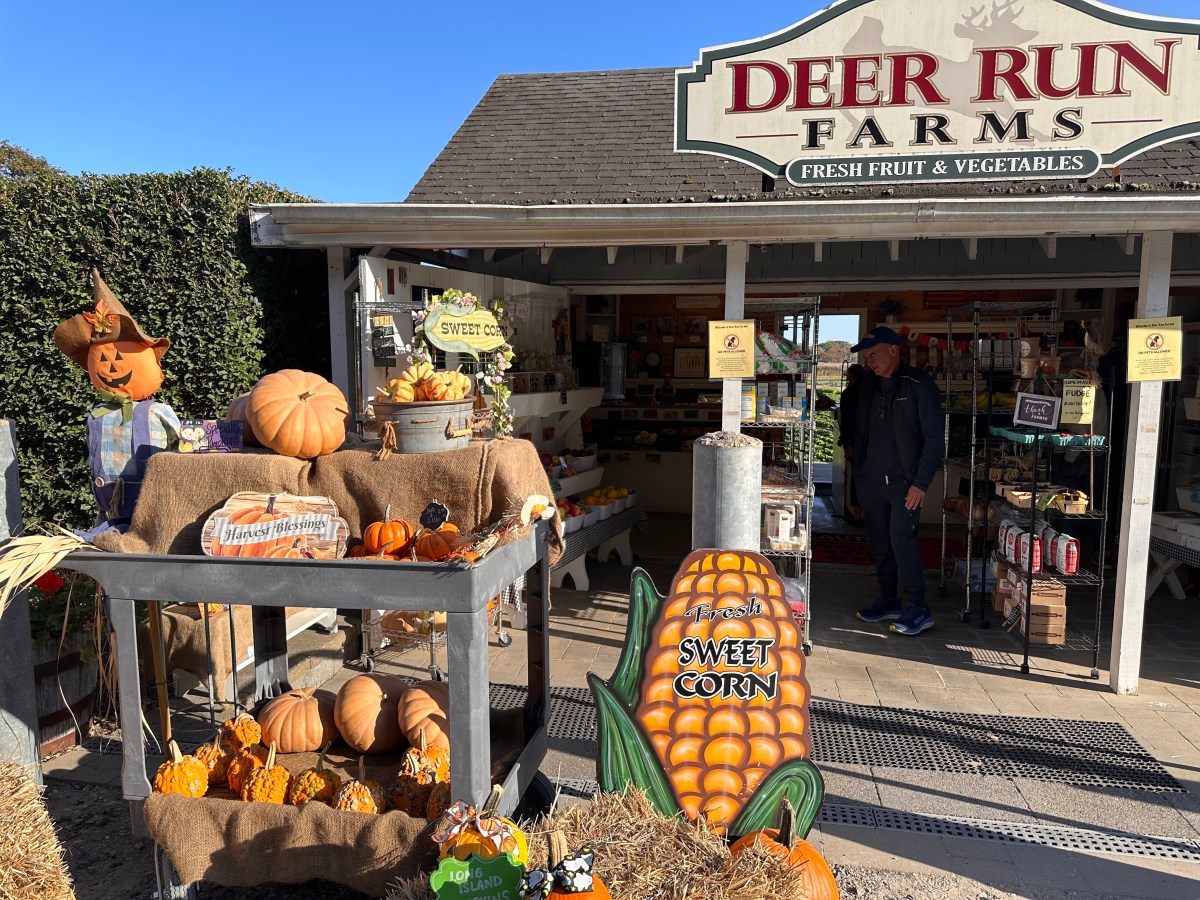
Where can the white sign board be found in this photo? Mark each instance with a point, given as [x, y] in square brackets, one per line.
[945, 90]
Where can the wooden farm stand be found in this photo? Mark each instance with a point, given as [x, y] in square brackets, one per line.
[269, 585]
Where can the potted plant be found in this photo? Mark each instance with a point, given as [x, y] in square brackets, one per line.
[890, 309]
[62, 625]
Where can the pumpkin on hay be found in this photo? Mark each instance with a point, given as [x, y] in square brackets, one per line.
[182, 775]
[366, 713]
[422, 769]
[299, 721]
[269, 783]
[423, 714]
[461, 832]
[298, 414]
[237, 413]
[387, 535]
[242, 765]
[239, 732]
[359, 794]
[811, 868]
[315, 785]
[216, 760]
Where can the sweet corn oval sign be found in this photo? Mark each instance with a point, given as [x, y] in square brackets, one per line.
[708, 708]
[461, 330]
[864, 91]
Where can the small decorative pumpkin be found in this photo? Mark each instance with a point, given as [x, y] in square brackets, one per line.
[129, 368]
[568, 875]
[439, 800]
[315, 785]
[462, 831]
[269, 783]
[458, 383]
[388, 536]
[298, 414]
[366, 713]
[437, 545]
[416, 374]
[237, 413]
[397, 391]
[216, 760]
[434, 388]
[238, 733]
[359, 794]
[299, 721]
[810, 866]
[423, 714]
[423, 767]
[240, 767]
[182, 775]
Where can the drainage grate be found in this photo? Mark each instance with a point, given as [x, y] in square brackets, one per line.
[572, 715]
[1066, 751]
[1076, 839]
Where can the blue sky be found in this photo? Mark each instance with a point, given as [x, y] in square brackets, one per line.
[343, 103]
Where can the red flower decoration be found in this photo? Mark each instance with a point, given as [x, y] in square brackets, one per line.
[50, 583]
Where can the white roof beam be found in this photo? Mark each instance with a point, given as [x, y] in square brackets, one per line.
[818, 251]
[1049, 246]
[971, 245]
[894, 250]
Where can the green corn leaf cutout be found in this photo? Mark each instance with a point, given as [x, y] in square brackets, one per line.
[644, 602]
[626, 757]
[798, 780]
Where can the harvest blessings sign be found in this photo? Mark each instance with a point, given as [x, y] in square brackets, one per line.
[877, 91]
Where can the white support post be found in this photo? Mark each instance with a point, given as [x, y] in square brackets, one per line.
[612, 255]
[1049, 246]
[339, 345]
[818, 252]
[1141, 460]
[894, 251]
[489, 255]
[971, 245]
[736, 255]
[679, 254]
[1129, 244]
[544, 255]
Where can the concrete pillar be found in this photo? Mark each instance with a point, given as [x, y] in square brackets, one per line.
[1141, 460]
[726, 491]
[18, 701]
[736, 254]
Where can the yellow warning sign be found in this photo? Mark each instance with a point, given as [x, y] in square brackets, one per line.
[1156, 349]
[731, 349]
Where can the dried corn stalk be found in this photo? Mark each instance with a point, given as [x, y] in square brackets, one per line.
[25, 559]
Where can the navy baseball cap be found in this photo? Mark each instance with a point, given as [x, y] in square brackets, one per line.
[876, 336]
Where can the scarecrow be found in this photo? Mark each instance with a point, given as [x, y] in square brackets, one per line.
[126, 427]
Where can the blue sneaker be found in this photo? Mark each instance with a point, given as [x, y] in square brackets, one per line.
[883, 608]
[914, 620]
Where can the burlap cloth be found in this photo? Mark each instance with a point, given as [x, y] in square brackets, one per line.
[479, 483]
[222, 840]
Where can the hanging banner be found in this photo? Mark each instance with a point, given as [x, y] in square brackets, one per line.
[731, 349]
[1156, 349]
[864, 91]
[1079, 402]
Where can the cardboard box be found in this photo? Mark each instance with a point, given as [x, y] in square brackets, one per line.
[1171, 520]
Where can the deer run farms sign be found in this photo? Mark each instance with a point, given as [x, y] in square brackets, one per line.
[945, 90]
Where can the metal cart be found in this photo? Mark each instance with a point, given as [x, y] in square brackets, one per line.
[270, 584]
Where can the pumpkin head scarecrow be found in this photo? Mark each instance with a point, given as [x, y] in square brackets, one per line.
[125, 428]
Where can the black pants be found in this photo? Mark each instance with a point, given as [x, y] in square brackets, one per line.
[892, 532]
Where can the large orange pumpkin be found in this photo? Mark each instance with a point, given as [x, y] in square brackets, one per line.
[388, 536]
[811, 868]
[129, 368]
[298, 414]
[424, 714]
[299, 721]
[237, 413]
[365, 713]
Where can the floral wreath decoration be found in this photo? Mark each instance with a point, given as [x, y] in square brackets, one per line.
[492, 363]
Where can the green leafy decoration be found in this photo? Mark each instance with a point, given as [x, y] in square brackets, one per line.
[800, 782]
[626, 757]
[644, 602]
[497, 879]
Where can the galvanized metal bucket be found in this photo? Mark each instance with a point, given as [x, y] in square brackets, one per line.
[424, 426]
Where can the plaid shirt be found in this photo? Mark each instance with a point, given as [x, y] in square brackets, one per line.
[114, 457]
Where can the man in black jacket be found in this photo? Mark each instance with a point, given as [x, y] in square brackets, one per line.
[898, 447]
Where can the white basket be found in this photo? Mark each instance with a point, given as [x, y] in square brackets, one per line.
[606, 511]
[618, 504]
[591, 517]
[631, 500]
[584, 463]
[572, 523]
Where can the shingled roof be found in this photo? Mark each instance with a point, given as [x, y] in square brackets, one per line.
[606, 137]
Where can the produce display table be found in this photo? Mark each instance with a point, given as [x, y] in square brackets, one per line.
[1169, 556]
[605, 536]
[269, 585]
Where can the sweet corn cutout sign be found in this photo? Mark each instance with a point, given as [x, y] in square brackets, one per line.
[708, 708]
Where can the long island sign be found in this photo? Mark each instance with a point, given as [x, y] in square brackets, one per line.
[945, 90]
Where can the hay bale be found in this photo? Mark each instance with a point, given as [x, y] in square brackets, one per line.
[640, 854]
[31, 858]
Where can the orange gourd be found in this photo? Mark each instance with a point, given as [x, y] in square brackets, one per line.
[414, 375]
[298, 414]
[437, 545]
[299, 721]
[365, 713]
[422, 769]
[433, 387]
[397, 391]
[182, 775]
[811, 868]
[388, 536]
[423, 714]
[268, 783]
[439, 800]
[238, 733]
[360, 795]
[315, 785]
[243, 765]
[459, 383]
[216, 760]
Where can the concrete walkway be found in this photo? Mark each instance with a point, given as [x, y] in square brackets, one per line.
[1025, 835]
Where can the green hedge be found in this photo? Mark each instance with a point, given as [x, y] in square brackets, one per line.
[176, 250]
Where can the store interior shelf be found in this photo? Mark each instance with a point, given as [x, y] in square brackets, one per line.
[547, 403]
[577, 484]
